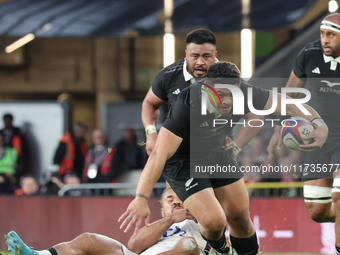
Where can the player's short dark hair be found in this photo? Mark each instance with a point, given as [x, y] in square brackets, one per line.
[223, 70]
[201, 36]
[8, 116]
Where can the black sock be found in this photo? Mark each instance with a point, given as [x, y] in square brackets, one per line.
[220, 245]
[337, 250]
[52, 251]
[245, 246]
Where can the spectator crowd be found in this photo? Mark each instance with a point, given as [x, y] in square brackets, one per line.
[77, 163]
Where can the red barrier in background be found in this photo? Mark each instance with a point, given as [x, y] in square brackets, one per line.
[45, 221]
[282, 224]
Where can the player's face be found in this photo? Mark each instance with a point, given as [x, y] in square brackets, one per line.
[226, 98]
[330, 41]
[199, 58]
[171, 203]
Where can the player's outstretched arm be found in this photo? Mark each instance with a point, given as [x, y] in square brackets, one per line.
[149, 235]
[319, 135]
[166, 145]
[150, 116]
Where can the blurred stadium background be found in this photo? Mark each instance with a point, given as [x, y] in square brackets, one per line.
[92, 61]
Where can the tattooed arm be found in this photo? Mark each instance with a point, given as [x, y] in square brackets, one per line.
[149, 235]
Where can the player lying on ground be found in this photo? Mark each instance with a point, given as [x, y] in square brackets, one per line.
[209, 200]
[176, 233]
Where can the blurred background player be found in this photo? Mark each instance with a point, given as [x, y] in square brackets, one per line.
[71, 151]
[176, 233]
[318, 62]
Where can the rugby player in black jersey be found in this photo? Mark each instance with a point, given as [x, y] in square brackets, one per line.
[318, 64]
[200, 54]
[209, 200]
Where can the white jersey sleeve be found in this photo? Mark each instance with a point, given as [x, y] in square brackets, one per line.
[174, 234]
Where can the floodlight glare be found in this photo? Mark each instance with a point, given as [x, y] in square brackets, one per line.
[333, 6]
[168, 49]
[19, 43]
[247, 53]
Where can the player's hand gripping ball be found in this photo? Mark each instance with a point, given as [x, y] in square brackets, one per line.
[294, 130]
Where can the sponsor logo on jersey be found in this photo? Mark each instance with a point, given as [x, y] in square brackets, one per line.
[336, 91]
[316, 70]
[174, 231]
[176, 92]
[330, 84]
[205, 124]
[330, 89]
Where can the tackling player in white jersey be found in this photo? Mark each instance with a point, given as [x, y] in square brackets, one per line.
[176, 233]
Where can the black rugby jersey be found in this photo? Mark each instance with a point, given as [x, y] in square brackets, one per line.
[323, 83]
[170, 81]
[185, 120]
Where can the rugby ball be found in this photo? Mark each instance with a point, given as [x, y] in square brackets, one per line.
[294, 130]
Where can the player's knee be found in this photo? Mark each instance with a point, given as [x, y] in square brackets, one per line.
[241, 221]
[317, 212]
[85, 240]
[188, 246]
[215, 224]
[239, 215]
[316, 216]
